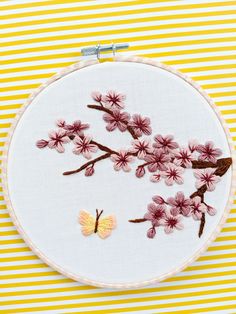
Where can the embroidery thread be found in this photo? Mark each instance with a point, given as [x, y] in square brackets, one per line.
[102, 226]
[162, 157]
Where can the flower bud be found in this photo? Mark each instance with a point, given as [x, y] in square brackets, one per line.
[140, 171]
[97, 96]
[151, 233]
[41, 143]
[89, 171]
[61, 123]
[211, 210]
[158, 200]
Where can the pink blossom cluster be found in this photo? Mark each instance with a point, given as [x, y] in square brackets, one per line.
[70, 133]
[118, 119]
[169, 213]
[165, 159]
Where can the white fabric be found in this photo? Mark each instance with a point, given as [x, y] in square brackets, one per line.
[47, 203]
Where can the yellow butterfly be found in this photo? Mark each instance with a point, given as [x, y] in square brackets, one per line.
[102, 226]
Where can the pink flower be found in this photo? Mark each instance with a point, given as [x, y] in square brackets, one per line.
[76, 128]
[208, 152]
[173, 174]
[114, 100]
[116, 120]
[184, 157]
[61, 123]
[172, 222]
[192, 145]
[157, 160]
[122, 160]
[141, 147]
[140, 172]
[159, 200]
[41, 143]
[156, 177]
[84, 146]
[165, 142]
[155, 214]
[179, 205]
[151, 233]
[140, 125]
[197, 208]
[57, 139]
[206, 176]
[89, 171]
[97, 96]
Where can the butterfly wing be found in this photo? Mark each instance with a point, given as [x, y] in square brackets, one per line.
[105, 226]
[87, 222]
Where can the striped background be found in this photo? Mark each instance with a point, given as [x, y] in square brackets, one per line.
[38, 38]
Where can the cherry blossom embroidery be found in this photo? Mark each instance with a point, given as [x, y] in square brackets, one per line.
[84, 146]
[165, 142]
[173, 174]
[122, 160]
[184, 158]
[114, 100]
[172, 222]
[116, 120]
[208, 152]
[197, 208]
[160, 156]
[141, 125]
[179, 205]
[157, 160]
[206, 176]
[142, 147]
[56, 140]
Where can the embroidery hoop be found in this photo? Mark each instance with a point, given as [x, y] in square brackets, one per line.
[76, 67]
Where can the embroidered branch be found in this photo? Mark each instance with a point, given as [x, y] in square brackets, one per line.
[161, 156]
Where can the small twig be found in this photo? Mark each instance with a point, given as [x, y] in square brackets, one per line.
[84, 166]
[138, 220]
[202, 225]
[101, 108]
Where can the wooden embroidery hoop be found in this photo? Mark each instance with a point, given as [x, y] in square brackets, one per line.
[76, 67]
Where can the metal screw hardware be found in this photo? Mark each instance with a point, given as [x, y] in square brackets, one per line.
[96, 50]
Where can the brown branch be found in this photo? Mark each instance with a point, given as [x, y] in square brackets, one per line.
[84, 166]
[202, 225]
[100, 108]
[104, 148]
[138, 220]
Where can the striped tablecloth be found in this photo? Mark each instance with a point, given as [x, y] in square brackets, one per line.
[39, 38]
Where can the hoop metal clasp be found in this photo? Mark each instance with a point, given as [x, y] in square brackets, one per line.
[96, 50]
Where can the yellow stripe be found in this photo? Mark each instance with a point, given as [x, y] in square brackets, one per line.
[228, 238]
[82, 8]
[118, 293]
[21, 267]
[134, 11]
[117, 302]
[36, 283]
[17, 258]
[109, 32]
[15, 241]
[29, 275]
[219, 256]
[141, 47]
[14, 250]
[93, 295]
[126, 30]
